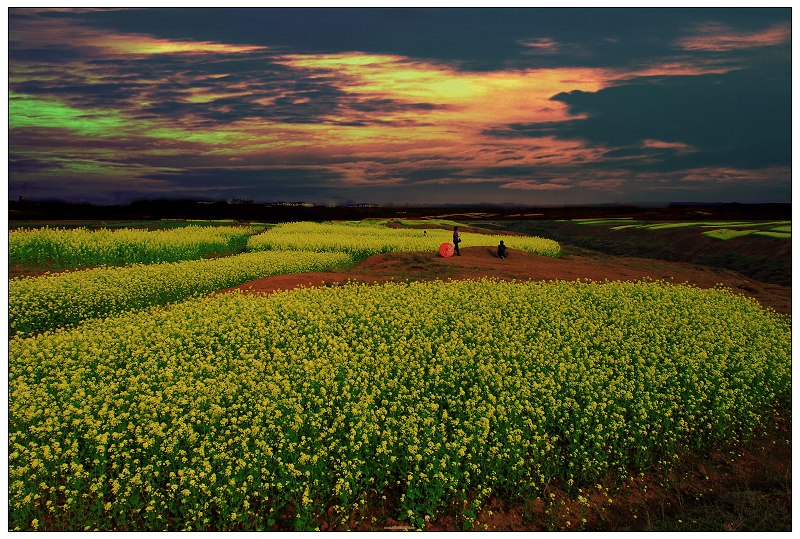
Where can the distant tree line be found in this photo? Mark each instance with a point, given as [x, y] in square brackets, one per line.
[23, 209]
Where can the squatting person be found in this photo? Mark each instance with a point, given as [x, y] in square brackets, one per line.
[502, 252]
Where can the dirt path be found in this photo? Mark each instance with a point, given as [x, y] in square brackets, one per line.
[477, 262]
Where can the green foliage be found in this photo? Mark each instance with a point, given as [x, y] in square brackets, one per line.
[227, 412]
[772, 234]
[727, 234]
[628, 221]
[722, 230]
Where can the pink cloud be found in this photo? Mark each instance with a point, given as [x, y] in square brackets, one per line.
[720, 38]
[731, 175]
[102, 42]
[540, 45]
[531, 185]
[680, 146]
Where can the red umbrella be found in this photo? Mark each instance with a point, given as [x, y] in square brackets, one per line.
[446, 250]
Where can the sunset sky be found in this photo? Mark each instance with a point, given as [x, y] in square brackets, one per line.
[401, 106]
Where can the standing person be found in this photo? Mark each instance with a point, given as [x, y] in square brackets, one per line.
[456, 239]
[502, 252]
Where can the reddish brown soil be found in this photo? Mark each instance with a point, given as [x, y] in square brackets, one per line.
[760, 470]
[703, 489]
[477, 262]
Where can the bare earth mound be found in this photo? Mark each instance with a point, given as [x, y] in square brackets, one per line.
[477, 262]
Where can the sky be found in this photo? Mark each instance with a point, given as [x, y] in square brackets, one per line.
[401, 106]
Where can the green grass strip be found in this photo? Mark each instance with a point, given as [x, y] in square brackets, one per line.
[727, 234]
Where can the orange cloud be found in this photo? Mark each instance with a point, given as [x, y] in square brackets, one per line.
[709, 175]
[470, 98]
[532, 185]
[652, 143]
[720, 38]
[541, 45]
[674, 67]
[105, 42]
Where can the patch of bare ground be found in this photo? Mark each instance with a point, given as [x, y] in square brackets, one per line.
[478, 262]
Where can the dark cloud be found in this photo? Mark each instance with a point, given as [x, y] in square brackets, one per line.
[426, 174]
[250, 177]
[262, 184]
[473, 38]
[267, 91]
[734, 119]
[46, 55]
[23, 165]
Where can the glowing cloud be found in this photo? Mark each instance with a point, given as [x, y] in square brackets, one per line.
[466, 99]
[540, 45]
[680, 146]
[103, 42]
[533, 185]
[720, 38]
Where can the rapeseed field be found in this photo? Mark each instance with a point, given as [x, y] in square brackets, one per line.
[76, 248]
[361, 240]
[37, 304]
[235, 411]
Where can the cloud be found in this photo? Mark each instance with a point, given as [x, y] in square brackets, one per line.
[606, 184]
[732, 118]
[264, 177]
[718, 37]
[534, 185]
[660, 144]
[25, 32]
[540, 45]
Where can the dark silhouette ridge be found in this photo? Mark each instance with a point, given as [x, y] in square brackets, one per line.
[282, 212]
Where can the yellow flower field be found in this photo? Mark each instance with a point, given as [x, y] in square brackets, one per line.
[226, 413]
[41, 303]
[364, 239]
[74, 248]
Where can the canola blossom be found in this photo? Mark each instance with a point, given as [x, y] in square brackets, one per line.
[74, 248]
[228, 412]
[40, 303]
[366, 239]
